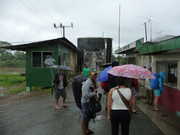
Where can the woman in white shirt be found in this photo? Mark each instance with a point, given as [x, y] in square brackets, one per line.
[118, 112]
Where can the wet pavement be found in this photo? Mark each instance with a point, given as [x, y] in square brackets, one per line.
[36, 116]
[162, 119]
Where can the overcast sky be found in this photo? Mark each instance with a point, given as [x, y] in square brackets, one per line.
[32, 20]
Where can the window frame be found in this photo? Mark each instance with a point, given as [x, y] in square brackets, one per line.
[64, 57]
[42, 64]
[166, 64]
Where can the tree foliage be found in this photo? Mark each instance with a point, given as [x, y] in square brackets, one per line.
[122, 60]
[11, 59]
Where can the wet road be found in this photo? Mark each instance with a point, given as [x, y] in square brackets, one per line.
[36, 116]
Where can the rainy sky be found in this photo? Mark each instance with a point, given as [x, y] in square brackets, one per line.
[32, 20]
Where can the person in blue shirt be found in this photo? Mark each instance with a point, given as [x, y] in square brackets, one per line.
[157, 84]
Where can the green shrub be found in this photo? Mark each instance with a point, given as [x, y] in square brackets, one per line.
[15, 90]
[7, 80]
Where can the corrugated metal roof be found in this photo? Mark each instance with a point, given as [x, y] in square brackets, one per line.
[4, 43]
[162, 38]
[23, 47]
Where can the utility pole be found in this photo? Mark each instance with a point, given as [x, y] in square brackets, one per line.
[105, 52]
[103, 34]
[63, 27]
[119, 32]
[145, 27]
[119, 27]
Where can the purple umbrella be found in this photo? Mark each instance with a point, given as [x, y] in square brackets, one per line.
[103, 75]
[131, 71]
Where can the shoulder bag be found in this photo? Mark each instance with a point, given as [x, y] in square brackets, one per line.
[125, 101]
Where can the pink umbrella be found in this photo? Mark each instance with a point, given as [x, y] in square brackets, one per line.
[131, 71]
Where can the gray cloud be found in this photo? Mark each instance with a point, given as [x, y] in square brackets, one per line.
[32, 20]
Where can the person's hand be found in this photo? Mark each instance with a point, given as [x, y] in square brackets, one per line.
[95, 90]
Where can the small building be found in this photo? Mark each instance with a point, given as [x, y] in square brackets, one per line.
[162, 56]
[38, 73]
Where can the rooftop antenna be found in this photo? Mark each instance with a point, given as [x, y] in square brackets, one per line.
[63, 27]
[145, 26]
[150, 27]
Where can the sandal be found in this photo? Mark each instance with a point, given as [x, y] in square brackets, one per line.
[89, 132]
[155, 109]
[57, 108]
[134, 111]
[65, 106]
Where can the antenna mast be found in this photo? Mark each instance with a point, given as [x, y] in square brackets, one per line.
[63, 27]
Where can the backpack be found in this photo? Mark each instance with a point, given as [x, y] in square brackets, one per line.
[77, 89]
[154, 83]
[94, 106]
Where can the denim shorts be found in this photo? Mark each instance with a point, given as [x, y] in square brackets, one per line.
[59, 92]
[84, 112]
[157, 92]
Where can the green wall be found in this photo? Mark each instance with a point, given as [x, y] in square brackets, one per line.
[166, 45]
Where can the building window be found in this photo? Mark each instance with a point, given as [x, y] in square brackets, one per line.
[45, 56]
[172, 74]
[64, 59]
[38, 58]
[170, 68]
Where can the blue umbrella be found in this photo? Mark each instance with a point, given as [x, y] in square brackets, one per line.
[103, 75]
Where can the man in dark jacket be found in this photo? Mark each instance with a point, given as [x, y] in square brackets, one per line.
[77, 89]
[60, 83]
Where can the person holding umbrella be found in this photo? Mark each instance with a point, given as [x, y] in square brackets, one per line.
[89, 92]
[118, 111]
[60, 83]
[119, 97]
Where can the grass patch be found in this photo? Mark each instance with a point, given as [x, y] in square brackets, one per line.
[16, 83]
[12, 83]
[11, 70]
[18, 89]
[8, 80]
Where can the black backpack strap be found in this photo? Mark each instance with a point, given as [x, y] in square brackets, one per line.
[125, 101]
